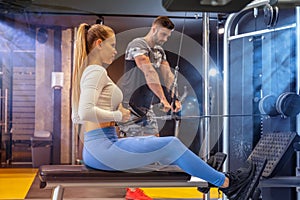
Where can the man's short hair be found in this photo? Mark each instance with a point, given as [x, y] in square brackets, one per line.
[164, 22]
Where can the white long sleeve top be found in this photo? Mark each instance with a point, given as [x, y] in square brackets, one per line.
[99, 97]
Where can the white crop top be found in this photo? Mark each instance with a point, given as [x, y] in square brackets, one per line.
[99, 97]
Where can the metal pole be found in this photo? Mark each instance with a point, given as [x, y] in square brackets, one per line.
[206, 108]
[74, 139]
[74, 144]
[298, 85]
[298, 60]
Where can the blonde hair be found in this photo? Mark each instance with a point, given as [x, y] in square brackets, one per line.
[85, 38]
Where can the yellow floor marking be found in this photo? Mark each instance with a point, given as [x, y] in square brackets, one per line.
[15, 182]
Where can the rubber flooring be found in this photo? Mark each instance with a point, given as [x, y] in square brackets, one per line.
[22, 183]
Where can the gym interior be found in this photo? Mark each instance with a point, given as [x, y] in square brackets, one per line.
[238, 66]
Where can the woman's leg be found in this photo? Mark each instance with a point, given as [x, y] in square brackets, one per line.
[134, 152]
[173, 151]
[130, 153]
[194, 165]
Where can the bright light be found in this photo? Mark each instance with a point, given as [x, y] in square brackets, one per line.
[221, 31]
[213, 72]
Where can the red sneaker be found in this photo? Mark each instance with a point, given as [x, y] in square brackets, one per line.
[136, 194]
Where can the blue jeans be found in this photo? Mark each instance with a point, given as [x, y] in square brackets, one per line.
[105, 151]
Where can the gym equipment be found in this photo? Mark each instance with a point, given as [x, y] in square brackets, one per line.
[269, 155]
[267, 105]
[270, 15]
[59, 177]
[288, 104]
[276, 148]
[223, 6]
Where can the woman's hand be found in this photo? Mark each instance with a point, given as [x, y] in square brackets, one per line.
[125, 113]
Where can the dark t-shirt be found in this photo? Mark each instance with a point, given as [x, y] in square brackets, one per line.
[135, 90]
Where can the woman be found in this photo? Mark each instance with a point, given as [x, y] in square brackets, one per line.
[96, 103]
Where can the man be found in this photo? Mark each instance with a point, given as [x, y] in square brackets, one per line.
[148, 77]
[147, 81]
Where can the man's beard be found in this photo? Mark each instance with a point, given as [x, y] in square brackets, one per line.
[157, 42]
[160, 43]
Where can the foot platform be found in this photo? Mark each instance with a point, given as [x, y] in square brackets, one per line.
[269, 155]
[216, 161]
[220, 159]
[251, 193]
[276, 148]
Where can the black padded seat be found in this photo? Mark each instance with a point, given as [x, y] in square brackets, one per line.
[59, 177]
[151, 175]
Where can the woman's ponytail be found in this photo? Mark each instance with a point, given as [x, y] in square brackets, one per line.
[79, 59]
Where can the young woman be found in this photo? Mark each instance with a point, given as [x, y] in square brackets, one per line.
[96, 102]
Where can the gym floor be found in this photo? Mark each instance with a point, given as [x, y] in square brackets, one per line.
[22, 183]
[110, 193]
[19, 181]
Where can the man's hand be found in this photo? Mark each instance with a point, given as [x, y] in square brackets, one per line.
[165, 105]
[177, 106]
